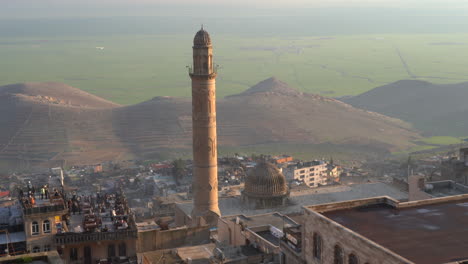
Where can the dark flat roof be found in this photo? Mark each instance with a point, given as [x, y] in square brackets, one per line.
[269, 237]
[430, 234]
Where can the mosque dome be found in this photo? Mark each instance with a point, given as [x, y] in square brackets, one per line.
[202, 38]
[265, 181]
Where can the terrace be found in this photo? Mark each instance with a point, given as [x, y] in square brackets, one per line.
[32, 204]
[97, 218]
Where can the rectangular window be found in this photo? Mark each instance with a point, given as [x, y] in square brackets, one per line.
[46, 226]
[111, 251]
[35, 228]
[46, 248]
[122, 249]
[73, 254]
[302, 171]
[317, 246]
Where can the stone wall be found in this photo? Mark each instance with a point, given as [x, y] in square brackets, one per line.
[181, 219]
[42, 238]
[416, 188]
[151, 240]
[289, 256]
[99, 250]
[352, 243]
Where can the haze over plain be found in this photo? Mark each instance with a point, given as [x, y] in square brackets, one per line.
[131, 51]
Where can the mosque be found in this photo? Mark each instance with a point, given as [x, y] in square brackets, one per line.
[266, 189]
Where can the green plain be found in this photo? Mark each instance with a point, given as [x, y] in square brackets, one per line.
[135, 68]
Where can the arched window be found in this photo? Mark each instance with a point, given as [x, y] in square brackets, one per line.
[317, 246]
[34, 228]
[338, 255]
[122, 250]
[352, 259]
[46, 226]
[36, 249]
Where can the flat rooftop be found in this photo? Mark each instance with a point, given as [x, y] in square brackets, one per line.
[107, 213]
[269, 237]
[275, 219]
[430, 234]
[198, 254]
[446, 188]
[329, 194]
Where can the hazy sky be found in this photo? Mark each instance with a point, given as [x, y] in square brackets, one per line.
[52, 8]
[7, 6]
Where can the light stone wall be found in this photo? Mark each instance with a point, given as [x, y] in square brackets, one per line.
[333, 234]
[42, 239]
[416, 188]
[312, 176]
[98, 250]
[164, 239]
[205, 143]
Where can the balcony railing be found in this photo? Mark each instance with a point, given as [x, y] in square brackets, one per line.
[44, 209]
[75, 238]
[214, 70]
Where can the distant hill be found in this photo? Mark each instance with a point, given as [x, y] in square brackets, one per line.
[56, 94]
[435, 109]
[44, 125]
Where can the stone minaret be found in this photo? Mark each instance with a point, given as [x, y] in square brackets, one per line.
[205, 156]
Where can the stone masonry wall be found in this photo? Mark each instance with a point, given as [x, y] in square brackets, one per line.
[333, 234]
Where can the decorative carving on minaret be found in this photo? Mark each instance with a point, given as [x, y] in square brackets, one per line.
[212, 146]
[205, 156]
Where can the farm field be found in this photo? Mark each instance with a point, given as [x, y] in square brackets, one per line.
[128, 69]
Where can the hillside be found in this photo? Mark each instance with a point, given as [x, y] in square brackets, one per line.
[275, 112]
[45, 126]
[435, 109]
[46, 123]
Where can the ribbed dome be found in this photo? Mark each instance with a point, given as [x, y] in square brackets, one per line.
[202, 38]
[264, 181]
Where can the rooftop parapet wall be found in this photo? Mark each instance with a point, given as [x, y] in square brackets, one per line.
[352, 204]
[44, 209]
[440, 200]
[322, 208]
[76, 238]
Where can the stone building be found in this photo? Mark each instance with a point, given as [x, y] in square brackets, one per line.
[380, 230]
[104, 229]
[43, 217]
[261, 231]
[299, 197]
[42, 222]
[420, 189]
[313, 174]
[456, 168]
[265, 187]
